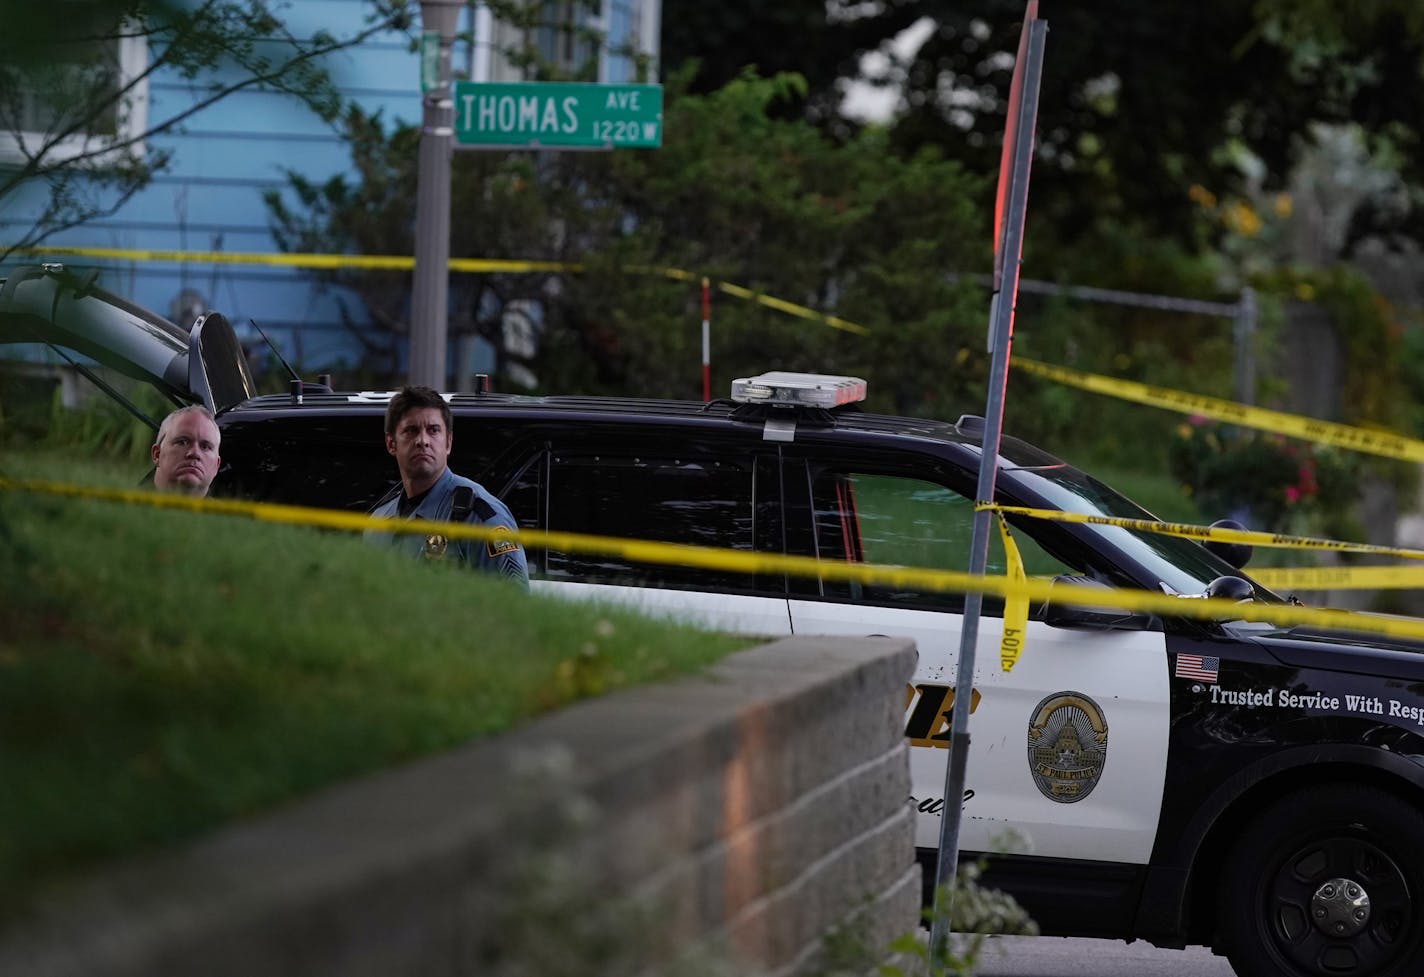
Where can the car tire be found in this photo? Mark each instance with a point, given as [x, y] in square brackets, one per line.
[1327, 881]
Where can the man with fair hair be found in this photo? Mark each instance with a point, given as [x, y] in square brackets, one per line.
[419, 437]
[185, 454]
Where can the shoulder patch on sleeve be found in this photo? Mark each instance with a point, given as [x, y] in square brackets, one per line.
[500, 545]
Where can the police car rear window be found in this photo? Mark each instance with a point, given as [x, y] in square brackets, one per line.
[704, 502]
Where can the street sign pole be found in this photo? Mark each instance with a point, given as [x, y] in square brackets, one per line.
[431, 278]
[1023, 113]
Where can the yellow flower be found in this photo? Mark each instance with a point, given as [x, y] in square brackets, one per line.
[1282, 205]
[1201, 196]
[1240, 218]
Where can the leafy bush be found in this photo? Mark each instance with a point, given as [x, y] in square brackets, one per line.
[1265, 481]
[101, 428]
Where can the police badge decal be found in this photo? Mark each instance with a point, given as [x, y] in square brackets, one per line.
[434, 547]
[1067, 746]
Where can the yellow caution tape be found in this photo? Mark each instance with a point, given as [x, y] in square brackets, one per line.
[1015, 604]
[791, 308]
[326, 262]
[1288, 580]
[1374, 442]
[750, 562]
[1385, 443]
[1276, 578]
[1190, 531]
[392, 262]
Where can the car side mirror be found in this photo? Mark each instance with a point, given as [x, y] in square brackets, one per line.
[1058, 614]
[1237, 554]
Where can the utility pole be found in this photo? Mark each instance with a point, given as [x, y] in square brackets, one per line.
[429, 304]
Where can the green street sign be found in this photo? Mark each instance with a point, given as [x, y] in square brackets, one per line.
[553, 115]
[429, 61]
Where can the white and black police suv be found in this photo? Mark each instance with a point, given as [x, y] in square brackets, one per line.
[1254, 788]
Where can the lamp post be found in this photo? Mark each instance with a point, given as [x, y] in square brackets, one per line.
[431, 279]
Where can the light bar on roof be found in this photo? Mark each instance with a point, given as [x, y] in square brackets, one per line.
[798, 389]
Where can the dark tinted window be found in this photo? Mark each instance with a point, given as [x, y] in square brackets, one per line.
[704, 501]
[333, 462]
[525, 500]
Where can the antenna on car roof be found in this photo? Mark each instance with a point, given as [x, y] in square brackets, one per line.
[275, 351]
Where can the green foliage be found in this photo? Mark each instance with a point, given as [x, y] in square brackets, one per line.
[1136, 98]
[770, 205]
[100, 428]
[1134, 342]
[1267, 482]
[34, 414]
[976, 913]
[1411, 370]
[145, 674]
[757, 186]
[1370, 333]
[1379, 366]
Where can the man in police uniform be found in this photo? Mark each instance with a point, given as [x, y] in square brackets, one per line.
[419, 436]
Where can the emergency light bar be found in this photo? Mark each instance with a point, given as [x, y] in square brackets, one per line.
[798, 389]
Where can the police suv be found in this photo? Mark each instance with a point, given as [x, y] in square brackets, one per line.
[1255, 788]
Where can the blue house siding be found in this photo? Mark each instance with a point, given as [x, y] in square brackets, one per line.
[225, 156]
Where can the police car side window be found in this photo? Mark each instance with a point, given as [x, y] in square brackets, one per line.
[887, 518]
[703, 501]
[873, 518]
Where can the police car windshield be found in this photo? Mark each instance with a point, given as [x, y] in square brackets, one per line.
[1181, 564]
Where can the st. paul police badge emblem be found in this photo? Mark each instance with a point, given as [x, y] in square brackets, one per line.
[1067, 746]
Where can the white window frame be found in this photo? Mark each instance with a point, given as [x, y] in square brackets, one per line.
[92, 149]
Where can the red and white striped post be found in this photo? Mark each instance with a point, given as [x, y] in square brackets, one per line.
[706, 343]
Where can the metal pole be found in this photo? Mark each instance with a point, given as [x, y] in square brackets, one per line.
[431, 279]
[1244, 333]
[706, 342]
[1001, 327]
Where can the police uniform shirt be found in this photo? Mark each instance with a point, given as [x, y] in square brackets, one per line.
[502, 556]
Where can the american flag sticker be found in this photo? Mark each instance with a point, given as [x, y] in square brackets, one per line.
[1200, 667]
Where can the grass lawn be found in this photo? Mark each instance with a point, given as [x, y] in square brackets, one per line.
[162, 672]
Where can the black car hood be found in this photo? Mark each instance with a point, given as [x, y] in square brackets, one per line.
[50, 305]
[1313, 646]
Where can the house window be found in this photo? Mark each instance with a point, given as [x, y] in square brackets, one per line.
[564, 40]
[90, 82]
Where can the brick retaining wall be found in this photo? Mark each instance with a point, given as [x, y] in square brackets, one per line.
[724, 823]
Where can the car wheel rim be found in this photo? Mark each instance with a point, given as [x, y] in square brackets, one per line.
[1339, 906]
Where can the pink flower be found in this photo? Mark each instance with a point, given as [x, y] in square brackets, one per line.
[1292, 494]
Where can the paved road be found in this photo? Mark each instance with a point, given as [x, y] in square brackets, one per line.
[1053, 956]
